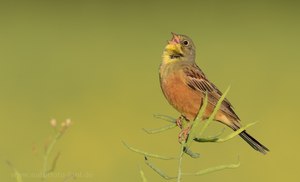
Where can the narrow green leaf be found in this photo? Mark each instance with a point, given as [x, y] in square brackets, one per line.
[216, 139]
[165, 117]
[158, 171]
[144, 179]
[191, 153]
[159, 130]
[179, 174]
[212, 116]
[213, 169]
[195, 125]
[147, 153]
[235, 133]
[54, 162]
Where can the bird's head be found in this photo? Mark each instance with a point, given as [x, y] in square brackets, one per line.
[179, 48]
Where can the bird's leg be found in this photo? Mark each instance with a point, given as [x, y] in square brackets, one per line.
[184, 134]
[179, 121]
[185, 128]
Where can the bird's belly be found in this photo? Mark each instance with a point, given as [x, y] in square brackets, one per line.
[181, 97]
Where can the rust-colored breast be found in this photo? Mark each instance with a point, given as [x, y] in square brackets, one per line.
[184, 99]
[187, 99]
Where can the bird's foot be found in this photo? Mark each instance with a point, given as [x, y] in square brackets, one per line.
[179, 121]
[184, 134]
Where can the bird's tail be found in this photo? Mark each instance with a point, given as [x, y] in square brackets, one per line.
[253, 142]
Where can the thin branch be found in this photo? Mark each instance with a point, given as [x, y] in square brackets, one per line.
[180, 161]
[147, 153]
[230, 136]
[191, 153]
[49, 148]
[48, 152]
[159, 130]
[54, 162]
[212, 116]
[213, 169]
[195, 124]
[158, 171]
[165, 117]
[210, 138]
[144, 179]
[203, 107]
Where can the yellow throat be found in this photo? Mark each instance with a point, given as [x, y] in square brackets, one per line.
[170, 49]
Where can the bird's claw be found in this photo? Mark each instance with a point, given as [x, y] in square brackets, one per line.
[179, 122]
[183, 135]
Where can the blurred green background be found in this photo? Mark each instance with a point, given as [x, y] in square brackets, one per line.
[97, 63]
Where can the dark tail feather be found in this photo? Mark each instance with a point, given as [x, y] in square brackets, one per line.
[254, 143]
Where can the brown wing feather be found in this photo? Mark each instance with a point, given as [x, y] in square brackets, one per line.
[197, 81]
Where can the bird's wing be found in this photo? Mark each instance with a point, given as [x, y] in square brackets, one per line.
[197, 81]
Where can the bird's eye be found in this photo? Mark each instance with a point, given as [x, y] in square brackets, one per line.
[185, 42]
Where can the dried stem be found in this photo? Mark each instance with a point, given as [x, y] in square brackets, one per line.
[49, 148]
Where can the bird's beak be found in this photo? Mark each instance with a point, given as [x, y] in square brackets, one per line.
[175, 39]
[174, 45]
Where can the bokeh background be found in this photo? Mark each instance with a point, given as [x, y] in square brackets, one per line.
[96, 62]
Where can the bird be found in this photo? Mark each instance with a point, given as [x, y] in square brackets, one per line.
[185, 86]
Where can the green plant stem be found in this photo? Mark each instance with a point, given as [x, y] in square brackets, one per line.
[180, 162]
[147, 154]
[144, 179]
[165, 117]
[213, 169]
[48, 151]
[228, 137]
[158, 130]
[216, 109]
[195, 124]
[159, 171]
[191, 153]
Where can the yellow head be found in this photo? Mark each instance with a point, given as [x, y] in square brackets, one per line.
[179, 48]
